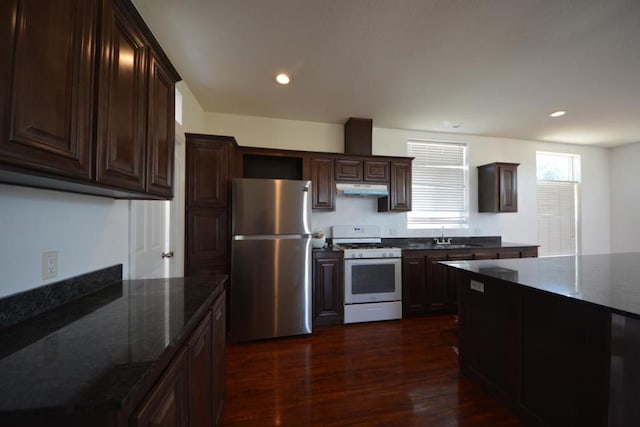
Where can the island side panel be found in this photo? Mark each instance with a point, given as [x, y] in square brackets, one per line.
[545, 355]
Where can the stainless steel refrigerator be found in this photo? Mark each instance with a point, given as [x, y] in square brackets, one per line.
[270, 259]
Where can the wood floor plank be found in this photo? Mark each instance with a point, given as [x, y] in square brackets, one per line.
[396, 373]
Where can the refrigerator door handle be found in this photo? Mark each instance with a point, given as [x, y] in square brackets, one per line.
[272, 236]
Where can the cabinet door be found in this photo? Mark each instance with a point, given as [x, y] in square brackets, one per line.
[377, 171]
[219, 333]
[491, 334]
[167, 404]
[200, 347]
[207, 237]
[323, 183]
[207, 173]
[414, 292]
[160, 129]
[327, 290]
[485, 254]
[47, 91]
[508, 184]
[566, 344]
[509, 253]
[400, 187]
[452, 285]
[121, 112]
[438, 298]
[348, 170]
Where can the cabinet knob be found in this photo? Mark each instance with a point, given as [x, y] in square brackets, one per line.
[167, 254]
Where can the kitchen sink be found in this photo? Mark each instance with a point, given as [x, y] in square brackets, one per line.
[445, 246]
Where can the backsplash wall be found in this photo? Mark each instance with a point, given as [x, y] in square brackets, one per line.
[364, 211]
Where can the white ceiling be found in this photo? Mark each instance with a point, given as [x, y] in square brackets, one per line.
[499, 67]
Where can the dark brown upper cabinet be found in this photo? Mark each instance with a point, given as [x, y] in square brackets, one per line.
[399, 198]
[498, 187]
[323, 189]
[348, 170]
[208, 170]
[121, 113]
[376, 171]
[161, 128]
[86, 99]
[47, 91]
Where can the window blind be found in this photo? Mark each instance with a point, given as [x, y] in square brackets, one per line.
[557, 217]
[439, 184]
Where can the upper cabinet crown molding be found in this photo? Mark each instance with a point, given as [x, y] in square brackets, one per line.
[54, 131]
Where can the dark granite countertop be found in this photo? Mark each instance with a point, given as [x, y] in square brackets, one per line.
[611, 281]
[94, 352]
[474, 242]
[428, 244]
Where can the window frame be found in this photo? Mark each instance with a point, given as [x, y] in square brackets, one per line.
[575, 180]
[464, 217]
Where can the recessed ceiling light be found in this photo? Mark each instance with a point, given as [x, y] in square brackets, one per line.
[452, 125]
[283, 79]
[558, 113]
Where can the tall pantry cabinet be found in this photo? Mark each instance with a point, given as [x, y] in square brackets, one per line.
[207, 220]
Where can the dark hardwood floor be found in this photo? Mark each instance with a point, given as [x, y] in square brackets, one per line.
[396, 373]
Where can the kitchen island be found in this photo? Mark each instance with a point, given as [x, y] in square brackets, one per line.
[556, 338]
[132, 352]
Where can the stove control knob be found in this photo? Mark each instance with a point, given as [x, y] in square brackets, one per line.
[359, 254]
[390, 255]
[384, 255]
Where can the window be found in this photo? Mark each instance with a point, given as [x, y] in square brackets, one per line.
[439, 184]
[178, 106]
[558, 180]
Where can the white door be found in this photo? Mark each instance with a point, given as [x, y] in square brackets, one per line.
[149, 239]
[157, 229]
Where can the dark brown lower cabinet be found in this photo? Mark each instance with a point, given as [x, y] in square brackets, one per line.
[219, 333]
[327, 288]
[438, 295]
[427, 286]
[191, 391]
[201, 374]
[167, 404]
[414, 295]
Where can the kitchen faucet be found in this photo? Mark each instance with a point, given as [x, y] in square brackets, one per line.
[442, 240]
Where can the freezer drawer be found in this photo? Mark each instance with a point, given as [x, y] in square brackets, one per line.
[271, 288]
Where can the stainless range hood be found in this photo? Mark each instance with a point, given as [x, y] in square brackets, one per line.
[362, 190]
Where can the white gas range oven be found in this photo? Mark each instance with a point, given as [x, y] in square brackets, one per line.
[372, 274]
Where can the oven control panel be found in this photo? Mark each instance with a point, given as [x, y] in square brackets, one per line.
[373, 253]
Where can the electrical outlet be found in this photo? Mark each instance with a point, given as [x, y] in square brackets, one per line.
[49, 264]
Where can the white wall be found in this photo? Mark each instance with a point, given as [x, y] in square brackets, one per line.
[518, 227]
[625, 198]
[89, 232]
[251, 131]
